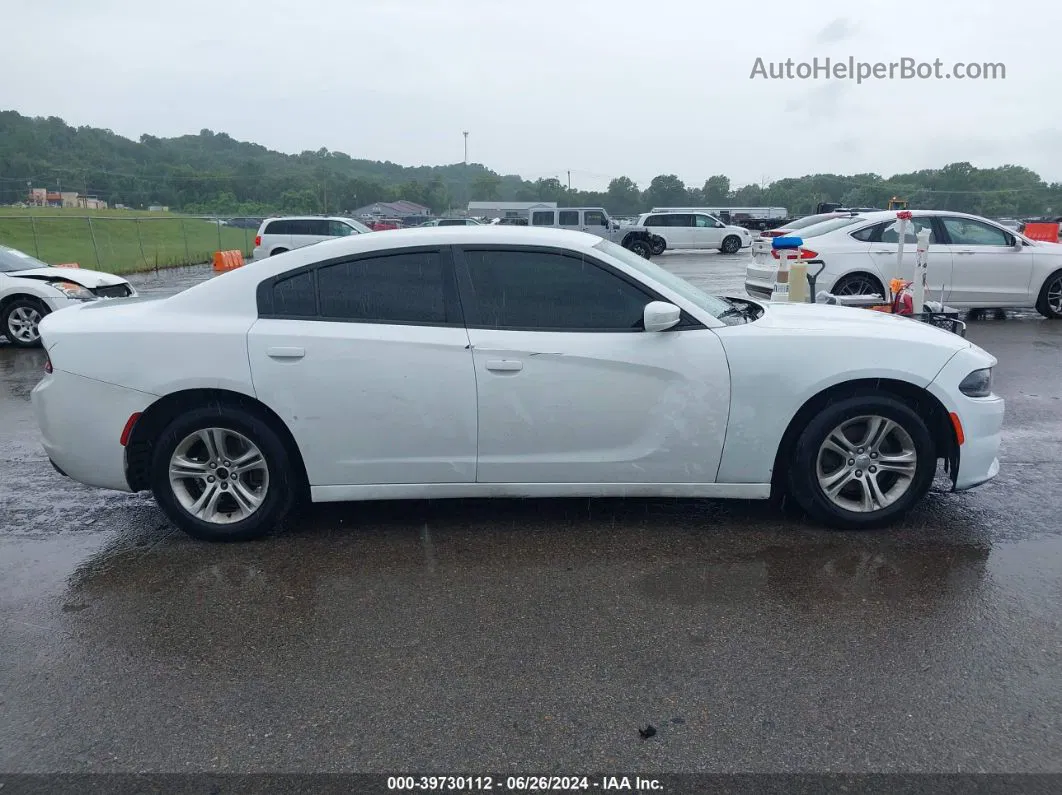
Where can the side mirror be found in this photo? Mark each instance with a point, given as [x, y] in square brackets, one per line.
[660, 316]
[1018, 244]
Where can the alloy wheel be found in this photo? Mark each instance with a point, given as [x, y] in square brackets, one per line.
[866, 464]
[219, 476]
[1054, 296]
[856, 285]
[22, 324]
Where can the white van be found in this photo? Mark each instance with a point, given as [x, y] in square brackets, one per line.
[277, 235]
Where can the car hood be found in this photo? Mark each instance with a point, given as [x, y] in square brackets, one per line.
[89, 279]
[857, 323]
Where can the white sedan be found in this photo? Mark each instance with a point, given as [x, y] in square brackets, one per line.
[30, 289]
[973, 263]
[502, 362]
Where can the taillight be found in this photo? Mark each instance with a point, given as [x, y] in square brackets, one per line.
[258, 240]
[805, 253]
[47, 363]
[774, 233]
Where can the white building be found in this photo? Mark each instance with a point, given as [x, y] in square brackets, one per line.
[500, 209]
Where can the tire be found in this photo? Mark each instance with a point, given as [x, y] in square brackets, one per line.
[857, 284]
[268, 479]
[1049, 303]
[19, 321]
[276, 251]
[731, 244]
[641, 247]
[659, 245]
[838, 493]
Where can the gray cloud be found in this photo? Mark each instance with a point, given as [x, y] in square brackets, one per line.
[838, 30]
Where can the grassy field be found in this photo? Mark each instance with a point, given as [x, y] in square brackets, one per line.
[126, 241]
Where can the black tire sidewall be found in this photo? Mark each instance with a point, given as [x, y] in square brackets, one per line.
[735, 249]
[5, 316]
[282, 486]
[1041, 300]
[861, 277]
[804, 484]
[642, 248]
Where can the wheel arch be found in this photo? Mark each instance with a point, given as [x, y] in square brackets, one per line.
[938, 421]
[20, 292]
[157, 416]
[857, 272]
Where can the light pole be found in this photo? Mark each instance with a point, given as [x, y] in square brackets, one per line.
[464, 173]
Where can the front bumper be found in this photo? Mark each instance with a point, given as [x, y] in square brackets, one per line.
[981, 418]
[81, 422]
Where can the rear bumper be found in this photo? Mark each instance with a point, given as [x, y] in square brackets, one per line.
[81, 422]
[759, 280]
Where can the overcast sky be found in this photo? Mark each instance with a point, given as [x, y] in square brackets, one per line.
[601, 88]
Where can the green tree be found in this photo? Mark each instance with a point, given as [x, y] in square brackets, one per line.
[623, 197]
[716, 190]
[666, 190]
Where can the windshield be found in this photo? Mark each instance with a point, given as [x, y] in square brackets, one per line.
[709, 303]
[362, 229]
[831, 225]
[12, 259]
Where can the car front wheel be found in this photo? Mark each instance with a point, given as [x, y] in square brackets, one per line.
[20, 320]
[222, 475]
[731, 244]
[659, 246]
[1049, 303]
[863, 462]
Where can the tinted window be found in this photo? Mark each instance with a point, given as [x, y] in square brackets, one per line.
[542, 218]
[568, 218]
[295, 296]
[868, 234]
[317, 227]
[594, 218]
[278, 228]
[452, 222]
[399, 288]
[967, 232]
[339, 229]
[543, 290]
[823, 227]
[705, 221]
[654, 220]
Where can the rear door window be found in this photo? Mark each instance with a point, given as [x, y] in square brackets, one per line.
[542, 218]
[278, 228]
[568, 218]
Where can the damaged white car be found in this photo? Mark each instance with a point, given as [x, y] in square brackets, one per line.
[31, 289]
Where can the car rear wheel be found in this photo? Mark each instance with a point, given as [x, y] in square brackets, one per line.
[222, 475]
[863, 462]
[659, 245]
[20, 320]
[731, 244]
[858, 284]
[641, 247]
[1049, 303]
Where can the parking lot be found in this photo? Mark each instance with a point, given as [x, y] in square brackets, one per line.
[538, 636]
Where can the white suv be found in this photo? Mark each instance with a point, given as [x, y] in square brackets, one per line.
[277, 235]
[696, 230]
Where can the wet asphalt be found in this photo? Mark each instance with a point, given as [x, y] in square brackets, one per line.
[537, 636]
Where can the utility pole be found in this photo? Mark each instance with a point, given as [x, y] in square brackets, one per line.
[465, 171]
[569, 181]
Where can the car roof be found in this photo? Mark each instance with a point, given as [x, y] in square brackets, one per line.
[885, 215]
[308, 218]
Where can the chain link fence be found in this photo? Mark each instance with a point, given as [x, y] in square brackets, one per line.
[126, 244]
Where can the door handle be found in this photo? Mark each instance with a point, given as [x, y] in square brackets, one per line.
[964, 252]
[286, 353]
[504, 365]
[885, 252]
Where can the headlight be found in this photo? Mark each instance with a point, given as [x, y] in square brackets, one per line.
[73, 291]
[977, 384]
